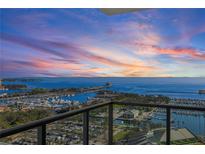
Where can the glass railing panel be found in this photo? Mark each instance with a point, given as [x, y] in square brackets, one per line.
[14, 116]
[98, 126]
[28, 137]
[68, 131]
[187, 127]
[138, 125]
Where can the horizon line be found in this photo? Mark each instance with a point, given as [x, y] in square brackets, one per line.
[96, 77]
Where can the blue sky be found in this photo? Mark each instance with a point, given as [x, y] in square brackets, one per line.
[86, 42]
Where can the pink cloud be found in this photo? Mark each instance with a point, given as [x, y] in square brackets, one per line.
[190, 52]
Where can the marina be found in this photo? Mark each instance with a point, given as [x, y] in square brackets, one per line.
[65, 100]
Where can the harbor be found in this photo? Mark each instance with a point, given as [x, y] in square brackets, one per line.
[59, 100]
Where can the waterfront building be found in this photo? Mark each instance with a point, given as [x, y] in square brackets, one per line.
[130, 114]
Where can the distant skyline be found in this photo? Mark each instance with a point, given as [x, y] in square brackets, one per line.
[88, 43]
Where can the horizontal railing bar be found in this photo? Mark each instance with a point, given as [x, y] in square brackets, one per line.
[37, 123]
[193, 108]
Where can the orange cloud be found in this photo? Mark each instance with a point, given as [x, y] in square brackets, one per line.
[191, 52]
[76, 69]
[143, 71]
[46, 64]
[182, 51]
[83, 70]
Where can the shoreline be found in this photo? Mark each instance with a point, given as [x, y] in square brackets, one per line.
[140, 85]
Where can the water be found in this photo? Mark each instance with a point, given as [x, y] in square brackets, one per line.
[194, 123]
[172, 87]
[79, 97]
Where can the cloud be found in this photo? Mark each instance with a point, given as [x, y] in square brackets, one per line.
[77, 59]
[173, 52]
[31, 43]
[65, 51]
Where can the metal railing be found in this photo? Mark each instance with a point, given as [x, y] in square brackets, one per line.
[41, 124]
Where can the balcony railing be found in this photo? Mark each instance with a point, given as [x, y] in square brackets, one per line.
[41, 124]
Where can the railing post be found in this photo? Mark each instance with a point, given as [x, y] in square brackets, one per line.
[110, 124]
[168, 131]
[86, 128]
[41, 135]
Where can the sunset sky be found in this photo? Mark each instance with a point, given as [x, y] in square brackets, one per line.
[86, 42]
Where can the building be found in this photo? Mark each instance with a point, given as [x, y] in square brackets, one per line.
[3, 94]
[4, 108]
[131, 114]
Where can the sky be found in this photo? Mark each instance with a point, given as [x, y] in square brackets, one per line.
[89, 43]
